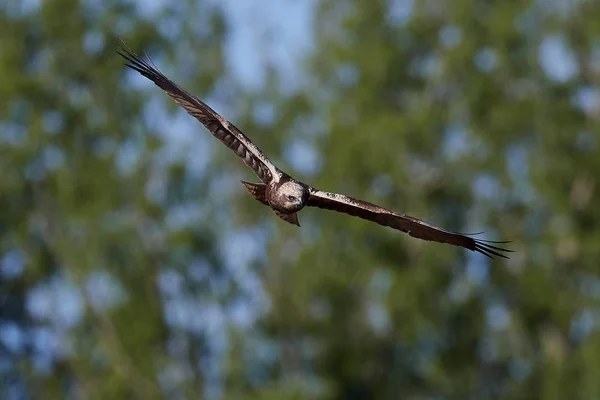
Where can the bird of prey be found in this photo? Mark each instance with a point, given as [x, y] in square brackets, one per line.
[286, 195]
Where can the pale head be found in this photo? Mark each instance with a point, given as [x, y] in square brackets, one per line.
[291, 196]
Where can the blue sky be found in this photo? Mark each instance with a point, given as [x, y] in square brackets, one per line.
[263, 32]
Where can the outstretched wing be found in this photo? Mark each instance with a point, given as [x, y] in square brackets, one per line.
[413, 226]
[222, 129]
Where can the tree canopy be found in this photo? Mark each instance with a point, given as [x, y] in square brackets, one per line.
[133, 264]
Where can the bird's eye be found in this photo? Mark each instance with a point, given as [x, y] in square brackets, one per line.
[291, 198]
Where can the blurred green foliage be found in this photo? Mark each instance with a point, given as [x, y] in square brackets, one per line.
[133, 264]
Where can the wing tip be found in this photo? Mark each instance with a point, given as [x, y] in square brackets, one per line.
[487, 247]
[483, 247]
[139, 64]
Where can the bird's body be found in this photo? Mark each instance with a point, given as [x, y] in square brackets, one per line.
[285, 195]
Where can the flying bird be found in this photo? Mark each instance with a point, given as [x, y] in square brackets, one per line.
[285, 195]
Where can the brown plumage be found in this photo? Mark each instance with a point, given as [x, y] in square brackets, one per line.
[285, 195]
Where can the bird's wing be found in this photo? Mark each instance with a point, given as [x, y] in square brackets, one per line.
[222, 129]
[413, 226]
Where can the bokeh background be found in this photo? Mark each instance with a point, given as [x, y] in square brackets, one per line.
[134, 265]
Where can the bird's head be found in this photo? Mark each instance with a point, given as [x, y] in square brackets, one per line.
[292, 196]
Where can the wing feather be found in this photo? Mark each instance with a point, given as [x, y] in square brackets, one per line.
[413, 226]
[220, 128]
